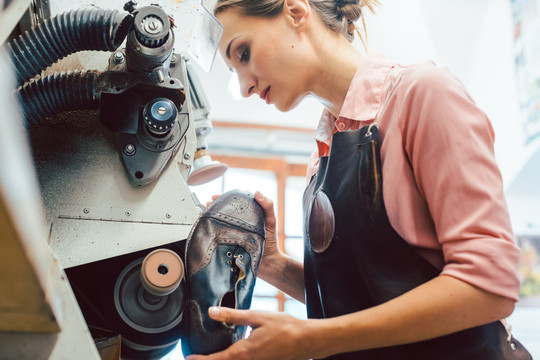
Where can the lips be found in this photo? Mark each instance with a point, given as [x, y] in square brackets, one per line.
[264, 95]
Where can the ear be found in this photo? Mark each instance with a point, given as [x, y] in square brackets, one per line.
[298, 11]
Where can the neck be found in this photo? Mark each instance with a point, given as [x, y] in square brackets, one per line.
[335, 66]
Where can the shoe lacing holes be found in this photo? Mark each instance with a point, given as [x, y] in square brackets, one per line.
[229, 262]
[239, 257]
[229, 254]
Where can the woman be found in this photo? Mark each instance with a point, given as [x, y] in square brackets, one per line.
[367, 293]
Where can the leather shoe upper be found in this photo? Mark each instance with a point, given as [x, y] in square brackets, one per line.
[223, 254]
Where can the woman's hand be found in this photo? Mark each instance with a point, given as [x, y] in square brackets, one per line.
[277, 268]
[274, 336]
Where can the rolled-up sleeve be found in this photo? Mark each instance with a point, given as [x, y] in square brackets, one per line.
[449, 143]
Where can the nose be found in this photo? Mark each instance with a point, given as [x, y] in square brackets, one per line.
[247, 85]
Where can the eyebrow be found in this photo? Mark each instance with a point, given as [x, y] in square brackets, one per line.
[228, 51]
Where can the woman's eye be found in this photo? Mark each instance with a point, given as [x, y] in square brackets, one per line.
[245, 56]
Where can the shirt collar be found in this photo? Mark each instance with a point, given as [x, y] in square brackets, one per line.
[363, 99]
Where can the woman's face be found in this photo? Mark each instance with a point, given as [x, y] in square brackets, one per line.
[267, 56]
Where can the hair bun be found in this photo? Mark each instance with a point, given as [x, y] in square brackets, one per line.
[349, 9]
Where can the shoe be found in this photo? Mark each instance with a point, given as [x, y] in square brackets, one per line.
[223, 254]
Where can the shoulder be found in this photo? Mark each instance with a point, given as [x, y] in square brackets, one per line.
[429, 92]
[434, 109]
[429, 82]
[426, 74]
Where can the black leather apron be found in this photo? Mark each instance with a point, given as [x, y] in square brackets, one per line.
[354, 259]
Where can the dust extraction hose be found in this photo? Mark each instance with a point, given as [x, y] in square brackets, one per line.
[64, 34]
[57, 93]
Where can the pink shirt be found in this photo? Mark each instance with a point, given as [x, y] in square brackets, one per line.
[441, 185]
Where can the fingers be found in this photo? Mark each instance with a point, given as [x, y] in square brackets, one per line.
[236, 317]
[268, 207]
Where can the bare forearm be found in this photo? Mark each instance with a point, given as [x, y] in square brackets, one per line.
[442, 306]
[286, 274]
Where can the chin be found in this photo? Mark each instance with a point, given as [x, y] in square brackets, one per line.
[288, 106]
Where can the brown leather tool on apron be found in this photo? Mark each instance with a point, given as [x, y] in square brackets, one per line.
[354, 259]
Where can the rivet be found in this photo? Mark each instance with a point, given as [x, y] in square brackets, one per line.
[168, 216]
[86, 211]
[128, 213]
[187, 156]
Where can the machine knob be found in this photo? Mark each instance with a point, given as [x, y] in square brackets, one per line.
[152, 26]
[160, 116]
[161, 272]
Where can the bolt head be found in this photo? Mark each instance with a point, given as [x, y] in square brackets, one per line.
[129, 149]
[118, 57]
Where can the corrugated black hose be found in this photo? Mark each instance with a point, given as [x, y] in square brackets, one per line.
[57, 93]
[64, 34]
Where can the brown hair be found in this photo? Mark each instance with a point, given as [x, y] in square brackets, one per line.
[338, 15]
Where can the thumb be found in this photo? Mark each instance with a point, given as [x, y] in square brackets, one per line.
[233, 316]
[268, 207]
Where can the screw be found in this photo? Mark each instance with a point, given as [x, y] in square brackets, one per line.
[161, 110]
[174, 59]
[118, 57]
[129, 149]
[86, 211]
[152, 25]
[187, 156]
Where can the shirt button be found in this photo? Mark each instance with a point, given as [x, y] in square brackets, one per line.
[341, 125]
